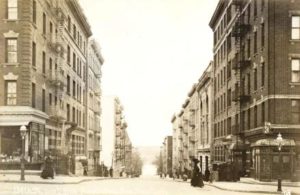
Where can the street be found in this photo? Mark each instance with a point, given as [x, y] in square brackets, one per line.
[143, 185]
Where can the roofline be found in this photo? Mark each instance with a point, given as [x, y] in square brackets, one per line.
[79, 14]
[216, 13]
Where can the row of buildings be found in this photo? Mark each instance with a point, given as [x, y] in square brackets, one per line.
[117, 147]
[50, 82]
[247, 95]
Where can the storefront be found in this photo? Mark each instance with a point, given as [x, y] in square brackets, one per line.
[267, 164]
[11, 146]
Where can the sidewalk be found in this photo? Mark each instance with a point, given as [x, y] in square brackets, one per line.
[58, 179]
[253, 186]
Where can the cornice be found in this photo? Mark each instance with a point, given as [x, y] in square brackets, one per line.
[78, 13]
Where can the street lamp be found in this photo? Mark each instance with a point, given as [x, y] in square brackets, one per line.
[23, 130]
[279, 141]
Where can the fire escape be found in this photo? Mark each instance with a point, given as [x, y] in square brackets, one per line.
[240, 95]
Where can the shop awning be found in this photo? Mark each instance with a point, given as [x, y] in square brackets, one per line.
[273, 142]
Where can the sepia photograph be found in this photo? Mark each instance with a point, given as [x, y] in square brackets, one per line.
[149, 97]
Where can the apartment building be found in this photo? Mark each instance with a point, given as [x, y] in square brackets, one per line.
[44, 79]
[93, 108]
[115, 140]
[203, 112]
[256, 86]
[177, 153]
[166, 152]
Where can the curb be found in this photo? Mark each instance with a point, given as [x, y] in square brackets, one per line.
[233, 190]
[247, 191]
[270, 184]
[61, 183]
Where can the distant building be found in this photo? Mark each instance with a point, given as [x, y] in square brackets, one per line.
[167, 156]
[192, 126]
[116, 145]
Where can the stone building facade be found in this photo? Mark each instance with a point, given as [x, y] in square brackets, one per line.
[44, 79]
[256, 86]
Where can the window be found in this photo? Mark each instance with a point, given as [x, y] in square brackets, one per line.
[255, 8]
[73, 114]
[74, 62]
[12, 9]
[263, 113]
[44, 23]
[50, 99]
[33, 94]
[50, 65]
[11, 50]
[44, 63]
[229, 97]
[249, 118]
[295, 70]
[262, 35]
[69, 55]
[34, 12]
[11, 93]
[255, 116]
[68, 84]
[229, 70]
[262, 74]
[255, 79]
[229, 126]
[295, 27]
[248, 48]
[74, 31]
[51, 27]
[68, 112]
[74, 89]
[69, 23]
[295, 104]
[255, 42]
[43, 100]
[33, 54]
[248, 84]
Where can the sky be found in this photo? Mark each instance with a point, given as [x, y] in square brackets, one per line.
[154, 51]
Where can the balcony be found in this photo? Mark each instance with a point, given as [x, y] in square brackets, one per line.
[192, 138]
[191, 154]
[236, 96]
[56, 78]
[55, 44]
[192, 123]
[98, 93]
[55, 112]
[240, 30]
[235, 129]
[240, 62]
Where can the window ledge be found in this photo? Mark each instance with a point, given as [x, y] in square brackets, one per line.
[10, 20]
[10, 64]
[293, 41]
[293, 84]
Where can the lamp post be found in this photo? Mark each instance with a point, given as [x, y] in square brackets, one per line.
[23, 130]
[279, 140]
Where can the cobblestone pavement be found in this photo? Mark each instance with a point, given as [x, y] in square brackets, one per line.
[136, 186]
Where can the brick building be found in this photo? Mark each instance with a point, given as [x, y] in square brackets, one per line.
[166, 152]
[256, 86]
[43, 77]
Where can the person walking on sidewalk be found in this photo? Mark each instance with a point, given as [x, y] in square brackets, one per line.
[48, 168]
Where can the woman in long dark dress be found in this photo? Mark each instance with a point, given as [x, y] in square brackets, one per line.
[195, 175]
[48, 169]
[200, 179]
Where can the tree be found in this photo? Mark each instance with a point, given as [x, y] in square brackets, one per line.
[158, 163]
[137, 163]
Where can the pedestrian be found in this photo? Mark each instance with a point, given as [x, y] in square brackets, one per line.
[195, 173]
[200, 179]
[48, 168]
[206, 174]
[111, 172]
[211, 176]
